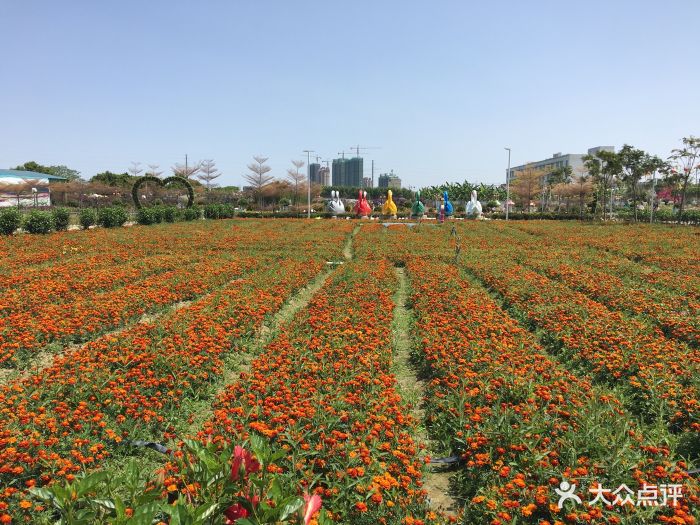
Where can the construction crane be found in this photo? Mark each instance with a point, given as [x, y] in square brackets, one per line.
[358, 148]
[343, 153]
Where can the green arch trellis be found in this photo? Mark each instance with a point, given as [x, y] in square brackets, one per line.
[162, 182]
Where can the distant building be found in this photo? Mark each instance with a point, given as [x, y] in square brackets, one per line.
[313, 173]
[324, 177]
[348, 172]
[575, 160]
[389, 180]
[25, 188]
[366, 182]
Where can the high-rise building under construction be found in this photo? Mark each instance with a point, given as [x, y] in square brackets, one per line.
[348, 172]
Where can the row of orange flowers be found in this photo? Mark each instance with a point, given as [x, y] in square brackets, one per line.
[323, 392]
[55, 309]
[672, 248]
[521, 422]
[675, 311]
[659, 376]
[70, 416]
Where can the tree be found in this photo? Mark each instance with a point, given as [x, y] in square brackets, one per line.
[583, 187]
[296, 178]
[685, 161]
[604, 168]
[635, 164]
[57, 171]
[209, 172]
[558, 176]
[113, 179]
[135, 169]
[527, 183]
[258, 179]
[65, 172]
[153, 170]
[180, 170]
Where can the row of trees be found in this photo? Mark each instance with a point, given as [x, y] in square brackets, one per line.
[632, 172]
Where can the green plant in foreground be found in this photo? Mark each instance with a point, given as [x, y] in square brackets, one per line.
[229, 486]
[61, 218]
[10, 220]
[88, 217]
[39, 222]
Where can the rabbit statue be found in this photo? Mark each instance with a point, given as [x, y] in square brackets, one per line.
[335, 205]
[449, 210]
[418, 208]
[474, 206]
[362, 207]
[389, 207]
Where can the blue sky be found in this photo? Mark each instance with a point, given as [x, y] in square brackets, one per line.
[440, 86]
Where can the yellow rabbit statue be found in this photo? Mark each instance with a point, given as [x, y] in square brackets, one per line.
[389, 207]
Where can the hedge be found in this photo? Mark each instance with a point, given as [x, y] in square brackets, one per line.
[39, 222]
[10, 220]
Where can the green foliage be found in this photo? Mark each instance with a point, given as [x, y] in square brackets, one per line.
[57, 171]
[251, 495]
[527, 216]
[61, 218]
[39, 222]
[180, 181]
[113, 179]
[112, 217]
[219, 211]
[191, 214]
[87, 217]
[35, 167]
[10, 220]
[150, 215]
[349, 192]
[169, 213]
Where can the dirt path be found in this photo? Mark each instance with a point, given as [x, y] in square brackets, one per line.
[347, 250]
[412, 389]
[239, 362]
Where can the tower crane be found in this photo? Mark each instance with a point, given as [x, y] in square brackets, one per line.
[358, 148]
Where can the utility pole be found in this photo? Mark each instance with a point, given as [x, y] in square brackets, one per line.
[373, 173]
[308, 187]
[653, 196]
[185, 165]
[508, 184]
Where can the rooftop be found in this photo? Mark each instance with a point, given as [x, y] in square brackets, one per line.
[21, 174]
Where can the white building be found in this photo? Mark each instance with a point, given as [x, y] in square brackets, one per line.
[558, 160]
[25, 188]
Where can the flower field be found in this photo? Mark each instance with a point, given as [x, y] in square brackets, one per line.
[540, 353]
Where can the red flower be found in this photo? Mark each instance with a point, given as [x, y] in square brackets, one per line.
[313, 505]
[234, 513]
[242, 457]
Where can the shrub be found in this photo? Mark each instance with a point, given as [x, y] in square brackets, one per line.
[10, 220]
[112, 217]
[39, 222]
[61, 218]
[191, 214]
[212, 211]
[150, 215]
[88, 217]
[169, 213]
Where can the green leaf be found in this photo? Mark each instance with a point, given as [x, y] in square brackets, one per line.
[90, 481]
[275, 490]
[119, 507]
[42, 494]
[290, 506]
[105, 503]
[144, 514]
[204, 511]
